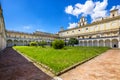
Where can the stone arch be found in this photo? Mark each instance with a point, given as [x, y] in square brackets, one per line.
[81, 43]
[29, 42]
[95, 43]
[20, 43]
[101, 43]
[90, 43]
[25, 43]
[107, 43]
[115, 43]
[15, 42]
[9, 43]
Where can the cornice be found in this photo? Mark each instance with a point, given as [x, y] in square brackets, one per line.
[32, 34]
[92, 33]
[94, 23]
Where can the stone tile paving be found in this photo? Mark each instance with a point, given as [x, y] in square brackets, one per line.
[103, 67]
[13, 66]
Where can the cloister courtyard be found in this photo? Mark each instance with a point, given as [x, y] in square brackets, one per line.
[59, 40]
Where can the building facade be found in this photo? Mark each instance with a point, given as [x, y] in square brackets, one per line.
[2, 31]
[102, 32]
[22, 39]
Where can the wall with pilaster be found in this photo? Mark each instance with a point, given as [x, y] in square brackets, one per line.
[2, 31]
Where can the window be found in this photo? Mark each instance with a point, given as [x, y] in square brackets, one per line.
[90, 37]
[83, 37]
[113, 15]
[73, 31]
[67, 32]
[86, 28]
[78, 30]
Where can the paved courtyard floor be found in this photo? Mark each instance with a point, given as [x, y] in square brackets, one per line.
[103, 67]
[13, 66]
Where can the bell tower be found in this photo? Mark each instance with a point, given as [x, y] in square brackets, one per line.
[82, 22]
[114, 13]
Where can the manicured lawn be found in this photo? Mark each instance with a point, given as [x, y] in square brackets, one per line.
[59, 60]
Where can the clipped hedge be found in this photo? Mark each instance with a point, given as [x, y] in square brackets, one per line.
[58, 44]
[33, 44]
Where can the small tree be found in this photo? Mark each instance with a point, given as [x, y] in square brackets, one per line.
[33, 43]
[73, 41]
[58, 44]
[42, 43]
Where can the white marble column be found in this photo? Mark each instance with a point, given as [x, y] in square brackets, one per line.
[79, 43]
[111, 43]
[83, 43]
[119, 44]
[103, 43]
[98, 43]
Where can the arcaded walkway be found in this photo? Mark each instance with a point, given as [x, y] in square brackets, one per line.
[103, 67]
[13, 66]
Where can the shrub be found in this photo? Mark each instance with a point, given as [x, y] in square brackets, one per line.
[42, 43]
[73, 41]
[33, 43]
[58, 44]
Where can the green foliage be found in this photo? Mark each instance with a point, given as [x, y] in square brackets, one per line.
[33, 44]
[58, 44]
[73, 41]
[42, 43]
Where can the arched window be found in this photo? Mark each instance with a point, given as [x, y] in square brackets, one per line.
[113, 15]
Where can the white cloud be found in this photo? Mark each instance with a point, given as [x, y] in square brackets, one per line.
[84, 9]
[113, 7]
[99, 10]
[37, 29]
[72, 25]
[101, 5]
[27, 27]
[41, 30]
[69, 9]
[94, 9]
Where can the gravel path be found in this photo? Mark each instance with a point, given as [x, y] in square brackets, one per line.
[103, 67]
[13, 66]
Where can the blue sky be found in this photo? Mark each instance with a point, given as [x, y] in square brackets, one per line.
[50, 15]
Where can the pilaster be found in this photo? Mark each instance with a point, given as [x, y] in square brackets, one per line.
[119, 44]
